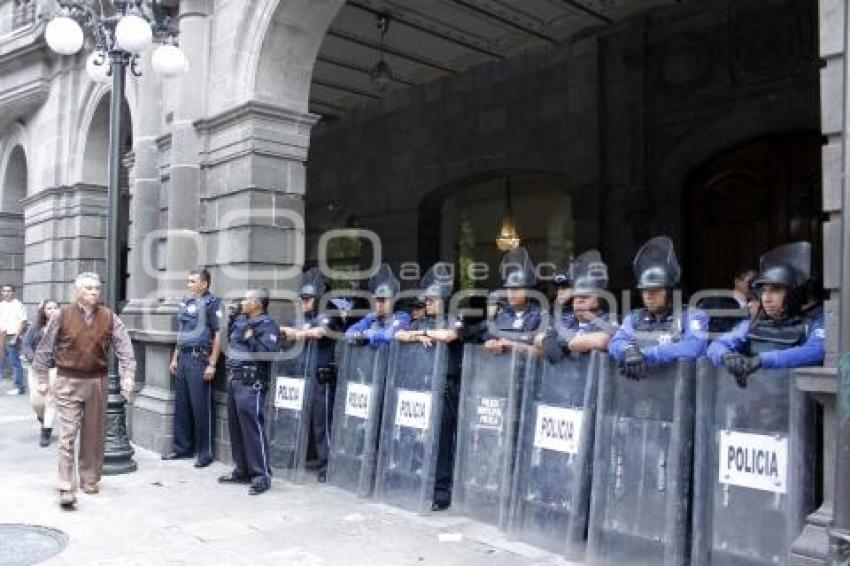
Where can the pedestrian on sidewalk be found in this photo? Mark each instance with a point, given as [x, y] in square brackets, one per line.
[78, 337]
[43, 404]
[13, 320]
[193, 367]
[253, 338]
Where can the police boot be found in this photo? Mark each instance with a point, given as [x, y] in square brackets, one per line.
[45, 437]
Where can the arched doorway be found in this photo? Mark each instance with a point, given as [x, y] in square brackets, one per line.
[95, 173]
[14, 190]
[459, 223]
[749, 199]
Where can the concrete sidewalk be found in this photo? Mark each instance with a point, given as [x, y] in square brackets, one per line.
[171, 513]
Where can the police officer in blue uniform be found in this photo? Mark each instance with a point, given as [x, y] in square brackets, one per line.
[253, 340]
[656, 334]
[781, 335]
[318, 327]
[436, 326]
[377, 328]
[583, 326]
[193, 365]
[518, 318]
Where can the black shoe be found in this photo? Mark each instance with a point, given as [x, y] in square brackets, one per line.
[259, 487]
[203, 462]
[45, 437]
[176, 456]
[440, 505]
[232, 478]
[322, 476]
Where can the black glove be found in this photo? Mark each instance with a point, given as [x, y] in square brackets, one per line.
[552, 349]
[634, 364]
[741, 366]
[360, 339]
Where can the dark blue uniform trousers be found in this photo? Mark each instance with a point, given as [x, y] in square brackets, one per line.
[320, 417]
[193, 407]
[248, 439]
[446, 451]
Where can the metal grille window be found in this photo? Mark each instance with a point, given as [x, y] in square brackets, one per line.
[24, 13]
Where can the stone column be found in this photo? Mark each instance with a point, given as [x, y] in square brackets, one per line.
[154, 407]
[253, 208]
[813, 546]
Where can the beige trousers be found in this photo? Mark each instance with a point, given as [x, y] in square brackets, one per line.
[43, 405]
[81, 404]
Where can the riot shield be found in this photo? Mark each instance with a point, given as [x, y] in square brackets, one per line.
[293, 381]
[488, 419]
[410, 430]
[357, 417]
[551, 494]
[642, 467]
[754, 462]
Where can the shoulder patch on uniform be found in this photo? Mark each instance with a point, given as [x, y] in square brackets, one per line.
[819, 333]
[697, 325]
[396, 322]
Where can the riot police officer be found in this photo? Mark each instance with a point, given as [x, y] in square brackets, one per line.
[317, 327]
[436, 326]
[519, 317]
[781, 335]
[584, 326]
[377, 328]
[656, 334]
[193, 366]
[253, 338]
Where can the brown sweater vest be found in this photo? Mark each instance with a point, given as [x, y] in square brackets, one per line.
[81, 349]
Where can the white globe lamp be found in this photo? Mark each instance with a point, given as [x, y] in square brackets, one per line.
[133, 34]
[97, 67]
[64, 35]
[169, 61]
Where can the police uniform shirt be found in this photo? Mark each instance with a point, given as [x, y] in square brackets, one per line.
[663, 339]
[570, 326]
[518, 326]
[799, 342]
[198, 319]
[262, 338]
[326, 344]
[455, 347]
[379, 330]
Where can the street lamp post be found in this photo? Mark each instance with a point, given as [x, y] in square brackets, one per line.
[118, 36]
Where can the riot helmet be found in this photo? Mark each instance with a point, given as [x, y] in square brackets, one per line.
[590, 274]
[656, 266]
[517, 270]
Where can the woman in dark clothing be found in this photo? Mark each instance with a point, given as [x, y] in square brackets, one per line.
[43, 405]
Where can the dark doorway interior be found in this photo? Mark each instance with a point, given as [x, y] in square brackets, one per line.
[748, 200]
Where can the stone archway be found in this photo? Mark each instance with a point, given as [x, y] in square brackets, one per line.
[92, 180]
[14, 190]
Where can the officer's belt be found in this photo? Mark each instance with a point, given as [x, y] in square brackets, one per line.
[195, 350]
[246, 375]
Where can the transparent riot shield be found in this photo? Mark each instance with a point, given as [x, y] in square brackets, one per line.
[754, 463]
[293, 381]
[551, 494]
[357, 417]
[491, 388]
[410, 431]
[642, 467]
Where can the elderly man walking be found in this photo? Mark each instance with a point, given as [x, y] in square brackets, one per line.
[78, 338]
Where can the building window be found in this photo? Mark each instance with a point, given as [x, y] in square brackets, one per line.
[24, 14]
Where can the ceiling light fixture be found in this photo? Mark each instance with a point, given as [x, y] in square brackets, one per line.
[381, 73]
